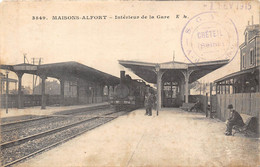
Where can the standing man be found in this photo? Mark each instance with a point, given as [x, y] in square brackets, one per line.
[149, 100]
[235, 119]
[146, 104]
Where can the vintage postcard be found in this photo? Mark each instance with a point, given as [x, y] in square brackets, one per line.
[129, 83]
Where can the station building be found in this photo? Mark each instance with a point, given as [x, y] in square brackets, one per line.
[241, 89]
[79, 84]
[247, 79]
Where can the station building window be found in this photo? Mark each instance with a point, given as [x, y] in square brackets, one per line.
[243, 60]
[170, 89]
[252, 57]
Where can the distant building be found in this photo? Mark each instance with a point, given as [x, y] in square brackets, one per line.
[247, 79]
[249, 50]
[51, 88]
[12, 88]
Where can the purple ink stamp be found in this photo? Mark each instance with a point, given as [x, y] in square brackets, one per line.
[209, 36]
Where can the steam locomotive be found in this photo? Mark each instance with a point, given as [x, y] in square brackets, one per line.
[129, 94]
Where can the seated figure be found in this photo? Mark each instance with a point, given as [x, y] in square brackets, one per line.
[234, 119]
[197, 106]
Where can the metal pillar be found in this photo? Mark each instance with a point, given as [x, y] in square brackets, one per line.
[225, 88]
[92, 95]
[217, 88]
[159, 90]
[211, 107]
[181, 91]
[1, 87]
[186, 89]
[78, 92]
[186, 75]
[15, 86]
[7, 92]
[62, 92]
[159, 74]
[43, 92]
[206, 106]
[20, 96]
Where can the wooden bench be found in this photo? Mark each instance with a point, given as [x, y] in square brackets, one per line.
[187, 106]
[250, 125]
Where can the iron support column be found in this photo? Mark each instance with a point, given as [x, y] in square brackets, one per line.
[186, 75]
[159, 74]
[210, 111]
[77, 91]
[62, 92]
[20, 96]
[159, 90]
[43, 92]
[2, 86]
[7, 92]
[186, 89]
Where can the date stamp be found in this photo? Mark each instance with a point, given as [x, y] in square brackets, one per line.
[209, 36]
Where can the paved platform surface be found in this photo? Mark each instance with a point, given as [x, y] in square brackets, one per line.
[174, 138]
[38, 111]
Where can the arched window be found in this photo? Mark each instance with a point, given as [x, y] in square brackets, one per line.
[243, 60]
[252, 57]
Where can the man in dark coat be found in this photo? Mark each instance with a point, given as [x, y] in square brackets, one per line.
[149, 100]
[235, 119]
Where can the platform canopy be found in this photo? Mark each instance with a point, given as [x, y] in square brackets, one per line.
[254, 70]
[65, 70]
[147, 71]
[173, 71]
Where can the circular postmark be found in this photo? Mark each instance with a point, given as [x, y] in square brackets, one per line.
[209, 36]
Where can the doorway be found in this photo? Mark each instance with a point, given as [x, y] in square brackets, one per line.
[171, 94]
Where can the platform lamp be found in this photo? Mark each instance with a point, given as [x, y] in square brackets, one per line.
[7, 91]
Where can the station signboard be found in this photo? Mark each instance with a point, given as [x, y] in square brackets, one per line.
[25, 68]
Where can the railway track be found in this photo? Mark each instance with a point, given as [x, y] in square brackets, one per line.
[31, 145]
[23, 121]
[15, 125]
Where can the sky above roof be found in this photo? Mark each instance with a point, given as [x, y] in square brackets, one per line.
[101, 43]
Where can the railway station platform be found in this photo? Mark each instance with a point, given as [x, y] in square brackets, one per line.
[174, 138]
[49, 110]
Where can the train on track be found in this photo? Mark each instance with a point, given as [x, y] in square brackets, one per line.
[129, 94]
